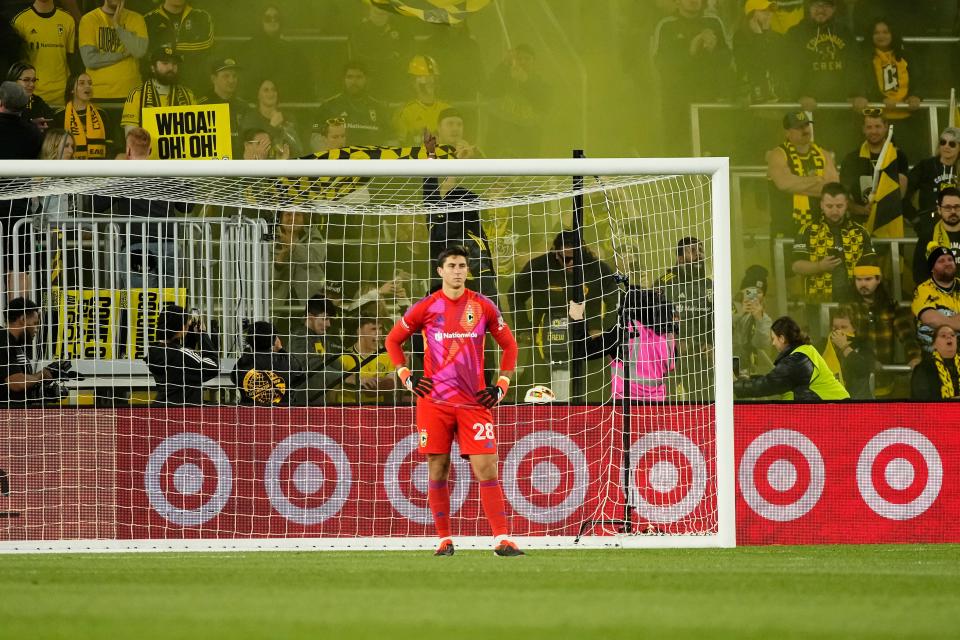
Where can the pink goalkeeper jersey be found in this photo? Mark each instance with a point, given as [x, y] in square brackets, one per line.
[453, 333]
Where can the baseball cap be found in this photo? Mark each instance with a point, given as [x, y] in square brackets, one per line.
[449, 112]
[796, 120]
[757, 5]
[935, 251]
[165, 51]
[220, 64]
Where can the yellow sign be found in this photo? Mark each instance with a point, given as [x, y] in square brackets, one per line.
[90, 323]
[86, 326]
[193, 132]
[145, 308]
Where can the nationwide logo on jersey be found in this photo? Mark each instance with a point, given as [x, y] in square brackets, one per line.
[423, 438]
[373, 115]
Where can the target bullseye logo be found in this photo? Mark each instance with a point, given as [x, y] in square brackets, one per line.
[899, 473]
[182, 480]
[676, 476]
[287, 466]
[545, 489]
[782, 475]
[420, 479]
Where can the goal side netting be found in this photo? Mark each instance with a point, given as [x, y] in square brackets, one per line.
[210, 338]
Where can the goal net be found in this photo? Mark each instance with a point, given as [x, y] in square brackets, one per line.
[211, 342]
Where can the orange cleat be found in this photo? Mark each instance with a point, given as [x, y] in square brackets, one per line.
[508, 549]
[445, 548]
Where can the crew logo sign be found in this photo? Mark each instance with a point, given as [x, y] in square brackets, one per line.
[194, 132]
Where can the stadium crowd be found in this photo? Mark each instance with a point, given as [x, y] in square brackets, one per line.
[79, 74]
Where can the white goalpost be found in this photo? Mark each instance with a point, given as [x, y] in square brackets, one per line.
[216, 330]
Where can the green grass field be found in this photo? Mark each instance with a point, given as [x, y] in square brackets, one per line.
[755, 592]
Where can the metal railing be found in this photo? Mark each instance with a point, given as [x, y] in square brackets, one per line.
[928, 106]
[102, 280]
[780, 267]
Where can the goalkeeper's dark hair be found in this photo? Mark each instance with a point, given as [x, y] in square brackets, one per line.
[318, 304]
[172, 320]
[452, 250]
[787, 328]
[20, 307]
[261, 336]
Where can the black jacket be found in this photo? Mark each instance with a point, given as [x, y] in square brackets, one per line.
[825, 62]
[19, 139]
[181, 369]
[925, 382]
[792, 371]
[266, 379]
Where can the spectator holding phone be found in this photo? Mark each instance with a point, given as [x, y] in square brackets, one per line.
[828, 249]
[751, 324]
[182, 358]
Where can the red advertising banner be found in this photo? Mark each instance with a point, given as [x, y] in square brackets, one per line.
[847, 473]
[806, 474]
[56, 475]
[354, 472]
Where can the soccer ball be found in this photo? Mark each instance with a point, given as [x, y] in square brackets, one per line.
[539, 394]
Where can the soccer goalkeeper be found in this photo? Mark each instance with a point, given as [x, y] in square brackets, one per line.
[452, 397]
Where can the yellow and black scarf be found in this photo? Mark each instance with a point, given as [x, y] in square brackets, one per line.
[150, 97]
[89, 135]
[811, 164]
[947, 390]
[852, 236]
[941, 236]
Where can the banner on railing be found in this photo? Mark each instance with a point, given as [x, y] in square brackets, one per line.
[93, 323]
[890, 474]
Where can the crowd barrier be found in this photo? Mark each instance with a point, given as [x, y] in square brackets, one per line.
[889, 474]
[782, 262]
[104, 279]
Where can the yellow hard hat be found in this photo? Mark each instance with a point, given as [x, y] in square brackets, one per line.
[423, 66]
[758, 5]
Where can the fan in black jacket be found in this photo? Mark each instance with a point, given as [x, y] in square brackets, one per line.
[266, 374]
[182, 359]
[799, 372]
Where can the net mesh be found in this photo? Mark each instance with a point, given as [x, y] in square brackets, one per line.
[318, 440]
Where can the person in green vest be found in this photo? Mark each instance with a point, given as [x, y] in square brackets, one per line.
[799, 372]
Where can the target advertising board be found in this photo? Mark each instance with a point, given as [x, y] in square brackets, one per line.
[805, 474]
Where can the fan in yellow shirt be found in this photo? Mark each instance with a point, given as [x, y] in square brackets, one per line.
[50, 35]
[112, 39]
[423, 112]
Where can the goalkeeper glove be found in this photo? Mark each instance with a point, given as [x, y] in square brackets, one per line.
[61, 370]
[492, 395]
[417, 385]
